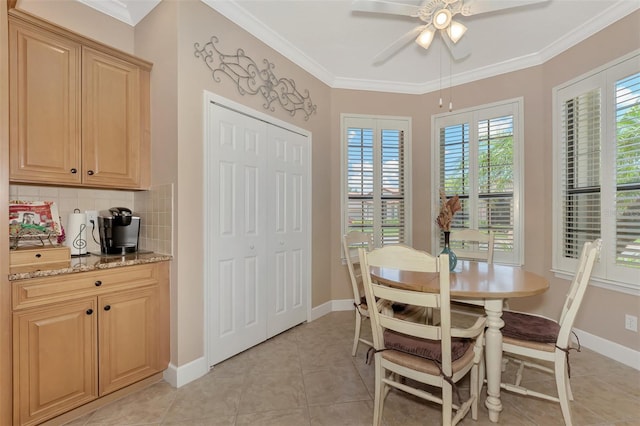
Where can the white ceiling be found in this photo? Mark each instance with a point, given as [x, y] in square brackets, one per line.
[338, 46]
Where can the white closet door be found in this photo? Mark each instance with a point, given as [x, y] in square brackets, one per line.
[236, 270]
[288, 236]
[257, 242]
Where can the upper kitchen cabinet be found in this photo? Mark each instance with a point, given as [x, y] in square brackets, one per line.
[79, 110]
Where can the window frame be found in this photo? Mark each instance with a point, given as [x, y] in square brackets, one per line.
[606, 273]
[473, 115]
[377, 123]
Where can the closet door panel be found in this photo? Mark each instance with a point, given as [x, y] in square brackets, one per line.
[288, 237]
[236, 273]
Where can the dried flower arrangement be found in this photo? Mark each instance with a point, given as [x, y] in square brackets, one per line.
[448, 207]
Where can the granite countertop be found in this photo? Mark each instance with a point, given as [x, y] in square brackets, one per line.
[94, 262]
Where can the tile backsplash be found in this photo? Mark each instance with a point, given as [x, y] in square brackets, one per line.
[155, 208]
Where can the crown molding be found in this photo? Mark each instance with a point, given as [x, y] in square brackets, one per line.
[608, 16]
[129, 12]
[241, 17]
[245, 20]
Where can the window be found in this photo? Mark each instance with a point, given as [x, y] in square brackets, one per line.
[597, 172]
[476, 155]
[376, 177]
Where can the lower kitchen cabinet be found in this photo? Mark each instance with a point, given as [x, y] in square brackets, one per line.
[128, 338]
[110, 333]
[55, 354]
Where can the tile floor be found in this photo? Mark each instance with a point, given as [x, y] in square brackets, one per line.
[307, 376]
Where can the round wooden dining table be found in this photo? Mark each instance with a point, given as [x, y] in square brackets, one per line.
[477, 283]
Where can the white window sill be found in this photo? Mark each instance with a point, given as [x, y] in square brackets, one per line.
[621, 287]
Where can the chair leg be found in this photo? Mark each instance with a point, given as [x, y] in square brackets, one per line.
[474, 389]
[378, 399]
[562, 387]
[356, 337]
[481, 374]
[447, 403]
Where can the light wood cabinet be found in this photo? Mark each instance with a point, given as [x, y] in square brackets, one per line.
[55, 354]
[78, 338]
[128, 338]
[79, 110]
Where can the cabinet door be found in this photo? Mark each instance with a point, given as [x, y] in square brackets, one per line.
[111, 131]
[55, 359]
[45, 100]
[128, 338]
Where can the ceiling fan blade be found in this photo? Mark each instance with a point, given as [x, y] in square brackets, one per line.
[380, 6]
[459, 50]
[475, 7]
[394, 47]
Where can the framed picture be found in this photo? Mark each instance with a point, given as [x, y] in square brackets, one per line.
[34, 220]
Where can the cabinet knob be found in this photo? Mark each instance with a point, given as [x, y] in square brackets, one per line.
[38, 255]
[98, 283]
[89, 311]
[90, 172]
[74, 170]
[108, 307]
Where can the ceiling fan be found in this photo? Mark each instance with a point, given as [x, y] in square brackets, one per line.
[437, 15]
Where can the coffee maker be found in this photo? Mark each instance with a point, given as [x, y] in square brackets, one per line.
[119, 231]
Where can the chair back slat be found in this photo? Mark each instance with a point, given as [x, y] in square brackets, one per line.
[350, 244]
[408, 259]
[403, 257]
[473, 244]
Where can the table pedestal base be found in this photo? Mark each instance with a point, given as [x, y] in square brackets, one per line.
[493, 357]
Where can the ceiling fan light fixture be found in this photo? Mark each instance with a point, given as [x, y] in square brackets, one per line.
[455, 31]
[442, 18]
[425, 38]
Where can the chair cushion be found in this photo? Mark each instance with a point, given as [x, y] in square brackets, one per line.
[425, 348]
[529, 327]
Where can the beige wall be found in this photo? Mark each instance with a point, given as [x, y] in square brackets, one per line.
[167, 36]
[603, 311]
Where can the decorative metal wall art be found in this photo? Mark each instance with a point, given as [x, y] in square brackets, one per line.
[249, 78]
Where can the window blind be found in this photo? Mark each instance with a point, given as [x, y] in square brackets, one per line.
[495, 180]
[597, 172]
[580, 192]
[627, 171]
[376, 179]
[476, 161]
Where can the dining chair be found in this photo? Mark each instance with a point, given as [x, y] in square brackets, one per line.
[472, 244]
[542, 339]
[436, 355]
[351, 242]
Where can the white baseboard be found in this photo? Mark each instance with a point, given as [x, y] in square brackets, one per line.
[320, 311]
[180, 376]
[342, 305]
[610, 349]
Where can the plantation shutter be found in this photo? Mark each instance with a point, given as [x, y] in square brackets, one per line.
[495, 179]
[392, 212]
[376, 179]
[455, 170]
[580, 156]
[477, 161]
[627, 171]
[360, 180]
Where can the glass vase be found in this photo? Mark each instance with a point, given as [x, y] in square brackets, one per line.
[453, 259]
